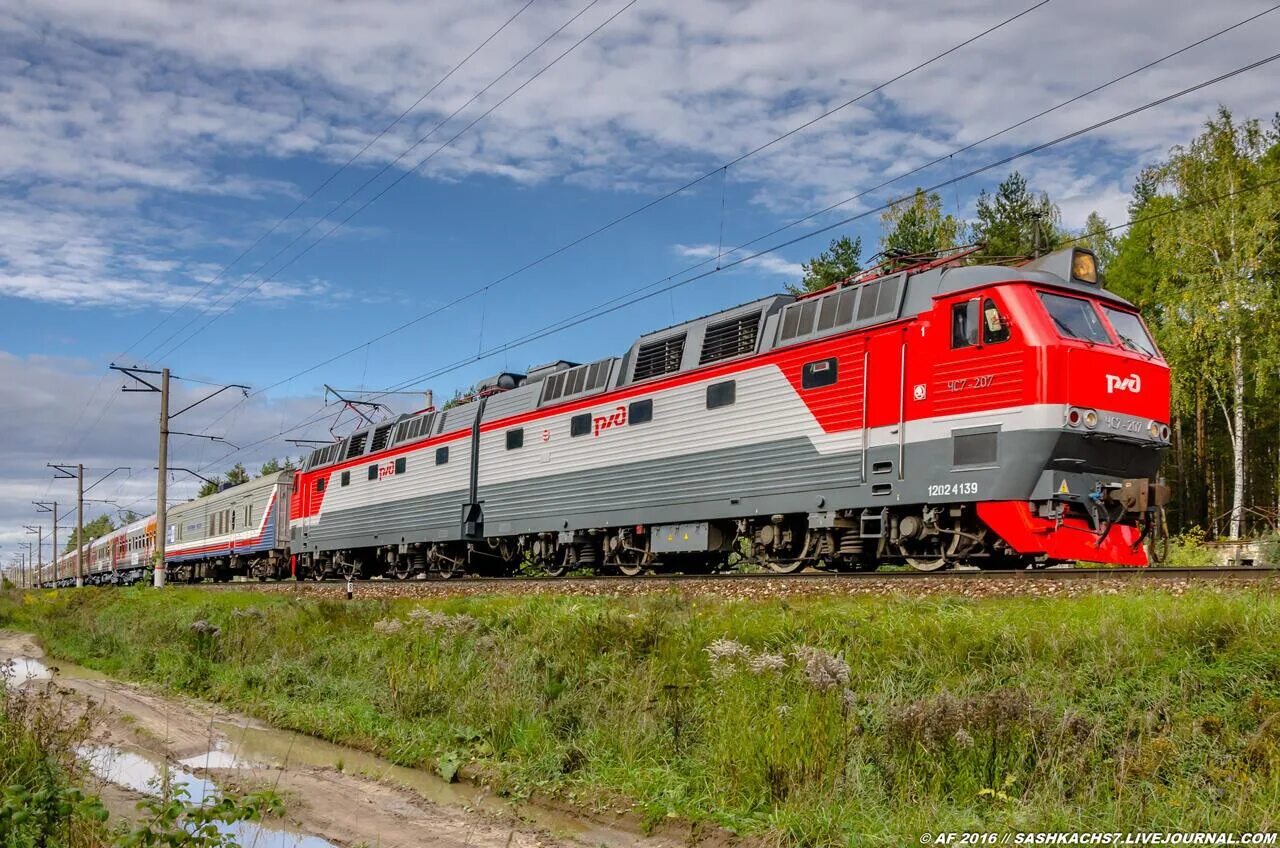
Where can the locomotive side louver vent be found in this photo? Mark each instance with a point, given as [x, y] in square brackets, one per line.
[356, 446]
[380, 437]
[731, 338]
[657, 358]
[877, 302]
[415, 427]
[577, 380]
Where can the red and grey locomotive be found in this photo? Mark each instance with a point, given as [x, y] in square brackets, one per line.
[937, 415]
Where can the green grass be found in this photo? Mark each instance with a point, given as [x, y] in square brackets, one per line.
[819, 722]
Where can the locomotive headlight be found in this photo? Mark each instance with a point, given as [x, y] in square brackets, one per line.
[1090, 419]
[1154, 429]
[1084, 266]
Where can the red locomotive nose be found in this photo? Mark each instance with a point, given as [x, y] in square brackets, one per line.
[1115, 380]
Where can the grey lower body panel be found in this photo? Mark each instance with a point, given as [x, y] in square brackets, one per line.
[787, 476]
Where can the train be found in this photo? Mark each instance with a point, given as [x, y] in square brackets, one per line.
[935, 414]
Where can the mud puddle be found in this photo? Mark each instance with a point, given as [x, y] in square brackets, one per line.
[20, 670]
[281, 748]
[145, 775]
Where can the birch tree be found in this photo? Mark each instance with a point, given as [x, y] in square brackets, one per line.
[1216, 284]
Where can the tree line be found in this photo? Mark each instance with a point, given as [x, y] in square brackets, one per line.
[1200, 256]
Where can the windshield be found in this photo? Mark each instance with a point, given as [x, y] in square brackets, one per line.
[1075, 318]
[1130, 331]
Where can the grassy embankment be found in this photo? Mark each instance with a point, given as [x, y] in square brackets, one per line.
[822, 722]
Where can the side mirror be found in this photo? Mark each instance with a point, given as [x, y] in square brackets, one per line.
[996, 322]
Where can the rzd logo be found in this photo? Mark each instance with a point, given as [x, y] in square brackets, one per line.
[1132, 383]
[604, 422]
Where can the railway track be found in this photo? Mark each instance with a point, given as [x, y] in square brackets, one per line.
[1047, 582]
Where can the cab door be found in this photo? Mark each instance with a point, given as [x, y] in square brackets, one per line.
[978, 373]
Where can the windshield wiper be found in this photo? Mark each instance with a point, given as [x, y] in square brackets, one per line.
[1070, 333]
[1132, 345]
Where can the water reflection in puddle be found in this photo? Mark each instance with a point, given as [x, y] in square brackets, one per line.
[219, 757]
[26, 668]
[142, 774]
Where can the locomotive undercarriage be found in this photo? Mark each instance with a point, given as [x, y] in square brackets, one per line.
[928, 538]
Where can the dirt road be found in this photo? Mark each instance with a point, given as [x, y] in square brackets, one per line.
[344, 796]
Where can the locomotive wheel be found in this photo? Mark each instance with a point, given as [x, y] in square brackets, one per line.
[631, 569]
[448, 568]
[778, 566]
[926, 563]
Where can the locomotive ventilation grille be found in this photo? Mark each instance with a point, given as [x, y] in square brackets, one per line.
[731, 338]
[660, 357]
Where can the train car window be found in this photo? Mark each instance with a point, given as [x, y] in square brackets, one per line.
[320, 484]
[442, 455]
[823, 372]
[1075, 318]
[233, 518]
[640, 412]
[964, 324]
[401, 465]
[721, 394]
[1130, 331]
[373, 471]
[994, 328]
[515, 438]
[580, 425]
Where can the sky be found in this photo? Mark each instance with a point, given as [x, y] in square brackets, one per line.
[228, 189]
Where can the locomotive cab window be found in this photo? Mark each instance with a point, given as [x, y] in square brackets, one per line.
[823, 372]
[721, 394]
[580, 425]
[373, 472]
[320, 484]
[640, 412]
[1075, 318]
[442, 455]
[1129, 330]
[964, 324]
[345, 479]
[515, 439]
[994, 327]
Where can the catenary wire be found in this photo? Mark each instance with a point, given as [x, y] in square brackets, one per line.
[332, 176]
[405, 173]
[847, 200]
[826, 228]
[644, 207]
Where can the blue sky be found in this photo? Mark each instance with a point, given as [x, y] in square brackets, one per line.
[145, 144]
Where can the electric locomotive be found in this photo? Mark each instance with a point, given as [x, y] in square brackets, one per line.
[936, 415]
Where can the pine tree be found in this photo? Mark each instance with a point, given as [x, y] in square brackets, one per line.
[842, 259]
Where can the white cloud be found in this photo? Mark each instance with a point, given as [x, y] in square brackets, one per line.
[770, 264]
